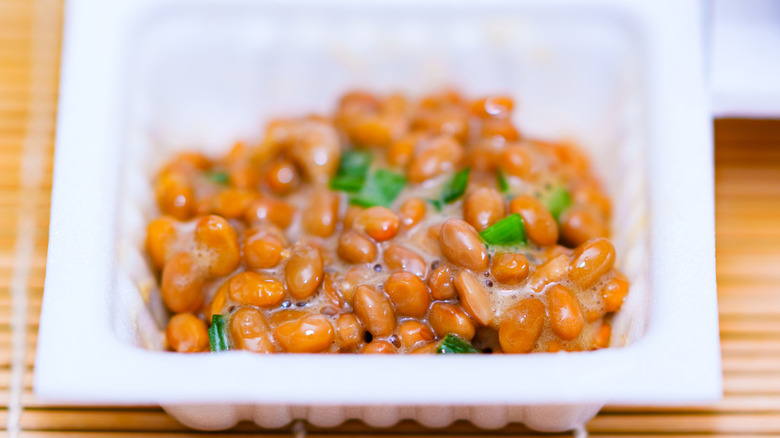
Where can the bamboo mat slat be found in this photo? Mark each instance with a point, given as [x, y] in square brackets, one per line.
[747, 158]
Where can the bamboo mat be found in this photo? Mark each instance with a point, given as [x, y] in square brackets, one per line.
[748, 245]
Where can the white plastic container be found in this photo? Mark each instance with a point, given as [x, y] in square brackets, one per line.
[141, 79]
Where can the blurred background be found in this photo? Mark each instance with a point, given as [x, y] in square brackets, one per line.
[743, 57]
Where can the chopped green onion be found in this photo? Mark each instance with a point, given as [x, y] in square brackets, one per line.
[218, 177]
[347, 183]
[390, 183]
[557, 201]
[503, 185]
[380, 188]
[507, 231]
[218, 334]
[455, 187]
[452, 344]
[436, 204]
[354, 163]
[352, 171]
[362, 201]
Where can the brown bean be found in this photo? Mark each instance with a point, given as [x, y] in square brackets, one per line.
[484, 157]
[353, 278]
[395, 103]
[256, 289]
[516, 161]
[539, 223]
[412, 211]
[440, 156]
[262, 249]
[446, 318]
[603, 336]
[593, 312]
[175, 195]
[317, 150]
[186, 333]
[408, 293]
[309, 334]
[374, 311]
[244, 176]
[590, 194]
[357, 101]
[380, 223]
[555, 346]
[218, 240]
[556, 250]
[284, 315]
[474, 297]
[494, 127]
[352, 213]
[509, 268]
[161, 236]
[304, 272]
[349, 332]
[401, 151]
[232, 203]
[549, 272]
[355, 248]
[277, 212]
[249, 331]
[566, 318]
[591, 261]
[442, 284]
[427, 349]
[188, 160]
[322, 215]
[278, 133]
[282, 177]
[218, 302]
[483, 207]
[399, 258]
[521, 326]
[332, 302]
[461, 244]
[377, 130]
[182, 283]
[614, 293]
[572, 155]
[493, 106]
[440, 99]
[580, 224]
[414, 333]
[446, 119]
[379, 347]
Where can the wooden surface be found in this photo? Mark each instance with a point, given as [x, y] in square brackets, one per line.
[748, 245]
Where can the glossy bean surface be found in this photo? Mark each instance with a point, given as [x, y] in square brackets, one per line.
[374, 311]
[522, 326]
[186, 333]
[309, 334]
[462, 246]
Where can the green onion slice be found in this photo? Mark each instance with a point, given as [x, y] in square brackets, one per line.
[218, 177]
[436, 204]
[380, 188]
[557, 201]
[455, 187]
[218, 334]
[503, 184]
[352, 171]
[507, 231]
[452, 344]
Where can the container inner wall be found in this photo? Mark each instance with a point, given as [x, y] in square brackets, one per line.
[202, 78]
